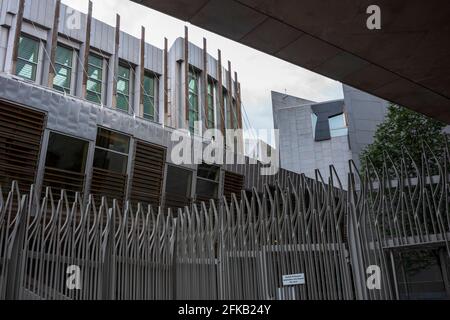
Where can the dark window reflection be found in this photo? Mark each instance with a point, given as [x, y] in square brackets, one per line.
[66, 153]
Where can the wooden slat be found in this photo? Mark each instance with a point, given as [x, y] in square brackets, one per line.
[57, 180]
[148, 174]
[108, 184]
[21, 131]
[233, 184]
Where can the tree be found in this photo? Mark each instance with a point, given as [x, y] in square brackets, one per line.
[404, 128]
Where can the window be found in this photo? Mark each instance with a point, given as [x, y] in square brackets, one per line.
[65, 164]
[66, 153]
[314, 119]
[227, 109]
[210, 116]
[95, 79]
[193, 99]
[27, 59]
[178, 187]
[123, 88]
[207, 182]
[149, 97]
[234, 116]
[111, 151]
[338, 125]
[63, 69]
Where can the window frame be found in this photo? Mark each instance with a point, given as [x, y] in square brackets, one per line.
[127, 96]
[153, 97]
[339, 131]
[72, 69]
[122, 154]
[194, 75]
[100, 94]
[34, 65]
[211, 88]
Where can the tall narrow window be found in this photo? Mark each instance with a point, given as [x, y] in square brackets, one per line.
[63, 69]
[27, 59]
[227, 110]
[193, 99]
[210, 116]
[123, 88]
[149, 97]
[95, 79]
[234, 114]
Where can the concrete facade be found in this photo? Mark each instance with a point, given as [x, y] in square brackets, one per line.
[302, 151]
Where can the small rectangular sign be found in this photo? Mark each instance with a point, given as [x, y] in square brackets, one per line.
[293, 279]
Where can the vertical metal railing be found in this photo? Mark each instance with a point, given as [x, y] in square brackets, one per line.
[238, 249]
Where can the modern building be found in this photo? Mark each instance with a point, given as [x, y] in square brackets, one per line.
[315, 135]
[90, 109]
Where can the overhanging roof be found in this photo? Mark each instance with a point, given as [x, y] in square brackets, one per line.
[406, 62]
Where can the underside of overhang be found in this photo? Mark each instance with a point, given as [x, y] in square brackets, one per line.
[406, 62]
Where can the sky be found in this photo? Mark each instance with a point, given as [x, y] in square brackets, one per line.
[259, 73]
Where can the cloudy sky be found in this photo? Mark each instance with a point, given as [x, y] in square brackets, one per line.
[259, 73]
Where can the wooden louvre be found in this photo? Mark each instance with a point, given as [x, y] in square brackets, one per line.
[108, 184]
[233, 184]
[58, 180]
[21, 131]
[148, 174]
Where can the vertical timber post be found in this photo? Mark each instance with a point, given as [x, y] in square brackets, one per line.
[87, 49]
[116, 62]
[54, 44]
[142, 73]
[18, 31]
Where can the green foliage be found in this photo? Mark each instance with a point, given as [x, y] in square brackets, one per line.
[403, 128]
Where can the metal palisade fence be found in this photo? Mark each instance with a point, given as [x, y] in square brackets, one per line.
[314, 231]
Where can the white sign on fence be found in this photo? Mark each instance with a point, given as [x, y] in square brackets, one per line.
[293, 279]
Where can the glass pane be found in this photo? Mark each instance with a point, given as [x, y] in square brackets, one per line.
[206, 189]
[95, 73]
[149, 108]
[337, 122]
[94, 86]
[62, 77]
[26, 70]
[110, 161]
[208, 172]
[149, 85]
[28, 49]
[96, 61]
[66, 153]
[113, 141]
[193, 102]
[64, 56]
[339, 132]
[178, 181]
[193, 82]
[210, 89]
[123, 86]
[122, 102]
[94, 97]
[124, 72]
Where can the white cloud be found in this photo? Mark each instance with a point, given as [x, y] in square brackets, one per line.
[259, 73]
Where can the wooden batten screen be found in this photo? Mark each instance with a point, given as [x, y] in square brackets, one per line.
[21, 132]
[58, 180]
[108, 184]
[148, 174]
[233, 183]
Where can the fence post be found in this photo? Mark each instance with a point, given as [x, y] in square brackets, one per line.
[15, 252]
